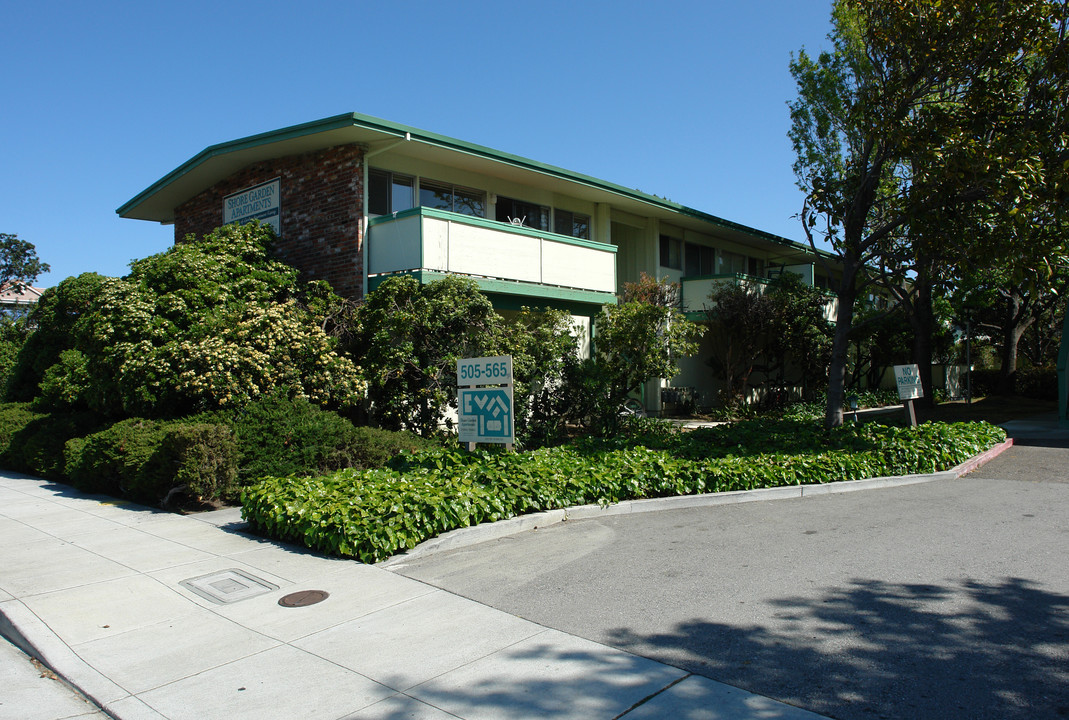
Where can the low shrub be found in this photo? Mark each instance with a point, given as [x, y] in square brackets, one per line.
[203, 458]
[14, 417]
[376, 448]
[1039, 383]
[33, 442]
[111, 460]
[374, 514]
[152, 461]
[279, 436]
[984, 382]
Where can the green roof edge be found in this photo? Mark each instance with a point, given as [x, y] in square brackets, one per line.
[356, 119]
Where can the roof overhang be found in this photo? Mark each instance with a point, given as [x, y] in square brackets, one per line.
[215, 163]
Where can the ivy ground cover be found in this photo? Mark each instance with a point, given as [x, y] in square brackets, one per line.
[374, 514]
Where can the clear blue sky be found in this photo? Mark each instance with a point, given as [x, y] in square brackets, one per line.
[686, 100]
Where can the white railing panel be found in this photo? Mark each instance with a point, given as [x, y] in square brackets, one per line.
[394, 246]
[480, 251]
[577, 266]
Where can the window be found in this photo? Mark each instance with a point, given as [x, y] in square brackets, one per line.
[566, 222]
[531, 215]
[729, 263]
[671, 252]
[698, 260]
[389, 192]
[454, 198]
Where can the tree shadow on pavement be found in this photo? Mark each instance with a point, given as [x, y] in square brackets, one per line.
[562, 678]
[873, 649]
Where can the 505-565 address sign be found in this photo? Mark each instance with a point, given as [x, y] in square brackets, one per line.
[484, 395]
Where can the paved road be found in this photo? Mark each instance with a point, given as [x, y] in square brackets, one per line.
[942, 600]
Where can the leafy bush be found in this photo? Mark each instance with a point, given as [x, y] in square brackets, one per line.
[212, 323]
[411, 336]
[637, 340]
[14, 330]
[545, 356]
[14, 417]
[65, 383]
[279, 436]
[34, 441]
[54, 318]
[374, 514]
[1039, 383]
[152, 461]
[780, 330]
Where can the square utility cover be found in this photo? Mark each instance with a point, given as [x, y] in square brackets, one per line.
[228, 586]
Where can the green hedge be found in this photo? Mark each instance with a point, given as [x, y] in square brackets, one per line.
[32, 442]
[279, 436]
[201, 458]
[372, 515]
[1038, 383]
[151, 461]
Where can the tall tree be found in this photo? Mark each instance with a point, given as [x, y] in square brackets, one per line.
[19, 264]
[920, 107]
[1016, 273]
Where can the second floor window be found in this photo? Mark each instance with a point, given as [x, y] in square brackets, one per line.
[566, 222]
[699, 260]
[454, 198]
[671, 252]
[389, 192]
[515, 211]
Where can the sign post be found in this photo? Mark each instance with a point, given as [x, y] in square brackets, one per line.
[908, 379]
[484, 395]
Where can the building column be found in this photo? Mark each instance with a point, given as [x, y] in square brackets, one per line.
[603, 223]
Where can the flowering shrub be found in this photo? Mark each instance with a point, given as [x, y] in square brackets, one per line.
[210, 324]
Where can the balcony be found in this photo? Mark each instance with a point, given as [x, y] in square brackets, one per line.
[501, 258]
[696, 290]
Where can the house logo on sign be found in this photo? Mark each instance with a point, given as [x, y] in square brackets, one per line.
[491, 409]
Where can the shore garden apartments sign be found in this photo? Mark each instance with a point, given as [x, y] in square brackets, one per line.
[260, 202]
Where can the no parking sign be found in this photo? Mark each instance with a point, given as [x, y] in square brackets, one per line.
[908, 379]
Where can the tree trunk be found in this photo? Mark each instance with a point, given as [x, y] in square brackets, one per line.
[840, 348]
[1014, 324]
[922, 318]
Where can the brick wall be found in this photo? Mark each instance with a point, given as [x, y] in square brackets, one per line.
[322, 199]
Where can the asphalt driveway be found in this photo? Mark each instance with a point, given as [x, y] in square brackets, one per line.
[948, 599]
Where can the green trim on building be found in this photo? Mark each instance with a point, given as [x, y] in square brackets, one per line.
[396, 130]
[295, 131]
[532, 295]
[494, 225]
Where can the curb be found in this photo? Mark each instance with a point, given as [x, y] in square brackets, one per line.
[466, 537]
[18, 624]
[983, 458]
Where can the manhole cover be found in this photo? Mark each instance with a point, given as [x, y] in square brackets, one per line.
[228, 586]
[303, 598]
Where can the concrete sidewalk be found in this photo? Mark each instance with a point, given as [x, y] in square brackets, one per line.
[154, 615]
